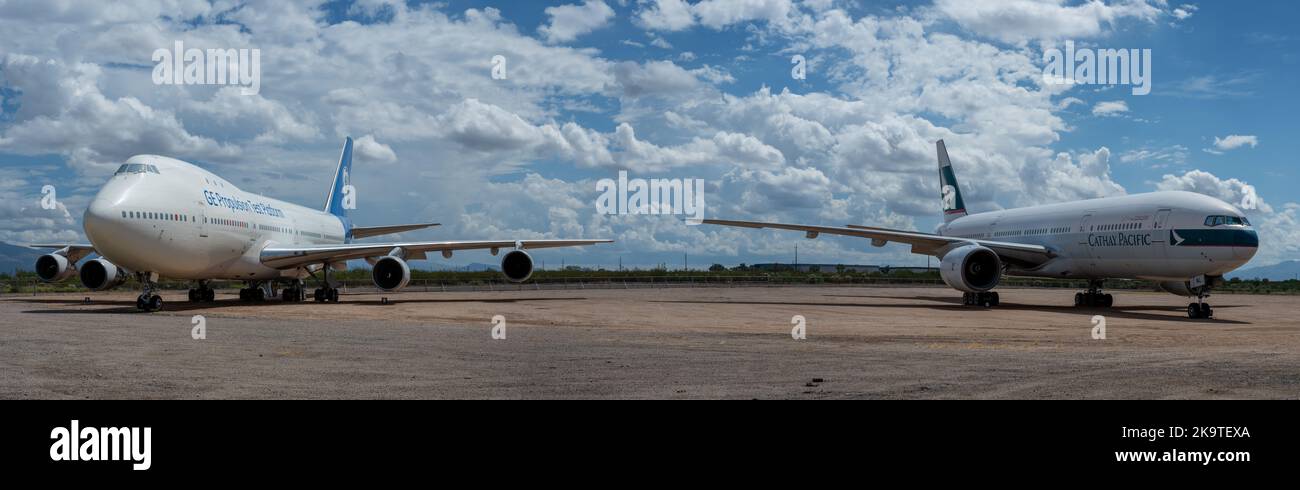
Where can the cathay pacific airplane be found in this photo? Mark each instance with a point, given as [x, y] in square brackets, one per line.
[162, 217]
[1183, 241]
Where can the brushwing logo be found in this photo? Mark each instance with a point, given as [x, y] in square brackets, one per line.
[102, 444]
[949, 198]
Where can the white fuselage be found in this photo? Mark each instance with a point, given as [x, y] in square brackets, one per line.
[184, 222]
[1160, 236]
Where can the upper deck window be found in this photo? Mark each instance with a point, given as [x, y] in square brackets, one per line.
[136, 168]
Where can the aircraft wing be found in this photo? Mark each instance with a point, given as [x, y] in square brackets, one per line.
[74, 252]
[922, 243]
[290, 257]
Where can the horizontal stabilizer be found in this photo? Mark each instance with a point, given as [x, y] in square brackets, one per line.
[369, 231]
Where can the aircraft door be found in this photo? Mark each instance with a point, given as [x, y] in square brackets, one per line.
[1083, 250]
[203, 220]
[1160, 234]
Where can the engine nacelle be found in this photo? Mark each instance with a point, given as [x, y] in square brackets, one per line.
[54, 268]
[100, 275]
[390, 273]
[517, 266]
[971, 269]
[1178, 288]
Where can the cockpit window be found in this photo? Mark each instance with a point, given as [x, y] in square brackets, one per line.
[136, 168]
[1226, 220]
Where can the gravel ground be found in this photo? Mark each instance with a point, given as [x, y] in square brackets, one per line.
[862, 342]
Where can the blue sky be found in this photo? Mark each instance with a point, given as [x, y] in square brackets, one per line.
[661, 89]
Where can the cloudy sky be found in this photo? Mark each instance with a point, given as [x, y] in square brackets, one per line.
[663, 88]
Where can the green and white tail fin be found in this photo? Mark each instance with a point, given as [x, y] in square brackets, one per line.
[953, 206]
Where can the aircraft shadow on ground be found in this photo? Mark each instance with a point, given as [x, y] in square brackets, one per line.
[1135, 312]
[183, 306]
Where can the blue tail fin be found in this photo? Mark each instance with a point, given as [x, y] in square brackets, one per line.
[342, 180]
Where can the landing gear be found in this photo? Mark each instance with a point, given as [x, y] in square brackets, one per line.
[1094, 297]
[1199, 311]
[327, 293]
[257, 291]
[986, 299]
[148, 299]
[294, 293]
[202, 294]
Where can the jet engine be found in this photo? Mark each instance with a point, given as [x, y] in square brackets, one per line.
[54, 268]
[517, 266]
[391, 273]
[101, 275]
[971, 269]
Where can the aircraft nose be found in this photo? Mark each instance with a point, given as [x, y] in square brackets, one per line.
[98, 218]
[1244, 245]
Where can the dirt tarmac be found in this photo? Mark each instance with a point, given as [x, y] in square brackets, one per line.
[862, 342]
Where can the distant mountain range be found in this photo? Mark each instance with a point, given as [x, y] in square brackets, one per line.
[1276, 272]
[14, 257]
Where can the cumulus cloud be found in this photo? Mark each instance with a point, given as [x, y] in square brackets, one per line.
[1110, 108]
[1071, 177]
[1232, 142]
[1232, 191]
[368, 148]
[655, 78]
[63, 111]
[1184, 11]
[676, 15]
[1017, 21]
[567, 22]
[666, 15]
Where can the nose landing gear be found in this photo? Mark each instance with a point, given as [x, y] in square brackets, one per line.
[1201, 286]
[1199, 311]
[148, 299]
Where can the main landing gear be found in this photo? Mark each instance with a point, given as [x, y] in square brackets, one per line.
[202, 294]
[257, 291]
[148, 299]
[1094, 297]
[987, 299]
[326, 293]
[294, 292]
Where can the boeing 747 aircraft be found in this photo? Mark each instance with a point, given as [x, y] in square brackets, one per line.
[159, 216]
[1183, 241]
